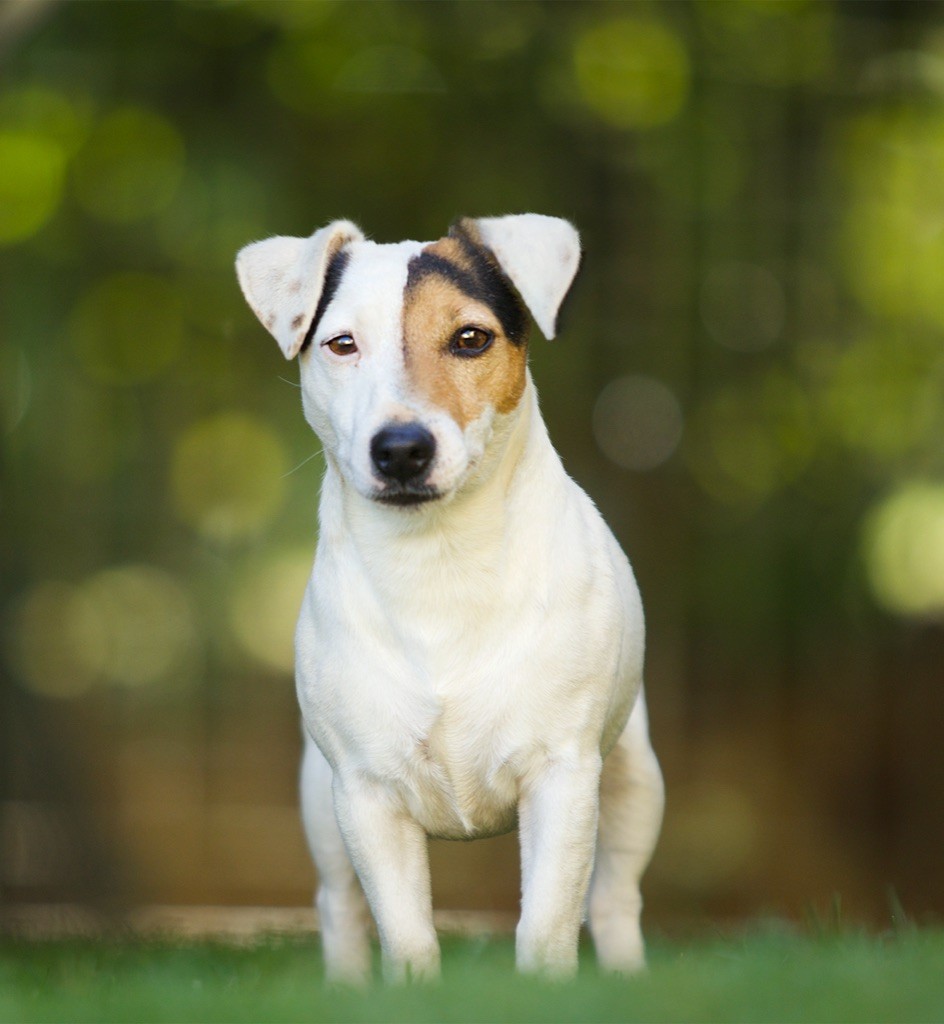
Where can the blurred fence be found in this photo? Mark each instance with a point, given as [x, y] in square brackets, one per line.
[749, 383]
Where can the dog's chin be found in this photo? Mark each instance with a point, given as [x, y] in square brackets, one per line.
[411, 497]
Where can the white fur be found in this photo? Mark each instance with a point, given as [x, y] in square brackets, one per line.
[467, 663]
[541, 255]
[282, 278]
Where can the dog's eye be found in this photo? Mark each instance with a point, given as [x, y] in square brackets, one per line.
[471, 341]
[342, 345]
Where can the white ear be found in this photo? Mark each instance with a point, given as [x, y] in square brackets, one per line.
[282, 279]
[540, 255]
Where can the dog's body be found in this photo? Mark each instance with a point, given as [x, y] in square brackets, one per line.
[469, 650]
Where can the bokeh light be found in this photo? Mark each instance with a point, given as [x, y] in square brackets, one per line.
[47, 634]
[637, 422]
[745, 445]
[228, 476]
[632, 72]
[32, 168]
[130, 167]
[893, 165]
[130, 625]
[881, 394]
[127, 328]
[712, 837]
[903, 541]
[49, 113]
[143, 628]
[264, 607]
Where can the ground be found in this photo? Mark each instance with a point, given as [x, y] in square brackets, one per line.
[769, 973]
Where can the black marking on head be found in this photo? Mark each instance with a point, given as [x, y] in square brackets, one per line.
[482, 280]
[427, 263]
[336, 267]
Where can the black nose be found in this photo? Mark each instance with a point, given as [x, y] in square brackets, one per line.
[402, 451]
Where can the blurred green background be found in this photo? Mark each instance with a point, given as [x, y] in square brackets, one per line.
[748, 382]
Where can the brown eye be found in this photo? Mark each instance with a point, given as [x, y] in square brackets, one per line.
[470, 341]
[342, 345]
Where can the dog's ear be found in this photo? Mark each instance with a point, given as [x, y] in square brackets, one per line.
[283, 278]
[540, 255]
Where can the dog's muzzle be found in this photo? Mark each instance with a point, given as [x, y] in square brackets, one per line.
[402, 454]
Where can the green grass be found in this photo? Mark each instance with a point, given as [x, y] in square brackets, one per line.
[773, 974]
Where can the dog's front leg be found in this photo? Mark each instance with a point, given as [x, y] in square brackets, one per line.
[389, 851]
[557, 822]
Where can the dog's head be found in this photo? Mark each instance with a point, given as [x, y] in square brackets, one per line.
[413, 355]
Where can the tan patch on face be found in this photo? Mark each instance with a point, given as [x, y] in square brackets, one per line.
[434, 309]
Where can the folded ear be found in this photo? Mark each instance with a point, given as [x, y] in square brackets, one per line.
[283, 278]
[540, 255]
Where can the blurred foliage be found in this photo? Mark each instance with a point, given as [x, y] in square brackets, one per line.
[749, 380]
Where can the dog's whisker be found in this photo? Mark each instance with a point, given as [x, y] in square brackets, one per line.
[314, 455]
[294, 383]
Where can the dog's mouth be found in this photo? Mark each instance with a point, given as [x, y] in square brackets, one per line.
[406, 497]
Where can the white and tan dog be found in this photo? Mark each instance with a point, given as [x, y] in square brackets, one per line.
[470, 647]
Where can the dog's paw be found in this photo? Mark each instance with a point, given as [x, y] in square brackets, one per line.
[420, 967]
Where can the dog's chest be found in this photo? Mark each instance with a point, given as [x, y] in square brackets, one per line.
[452, 693]
[459, 782]
[451, 721]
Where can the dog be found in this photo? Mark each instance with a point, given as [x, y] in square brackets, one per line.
[469, 652]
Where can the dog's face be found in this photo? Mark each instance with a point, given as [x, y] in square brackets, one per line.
[413, 355]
